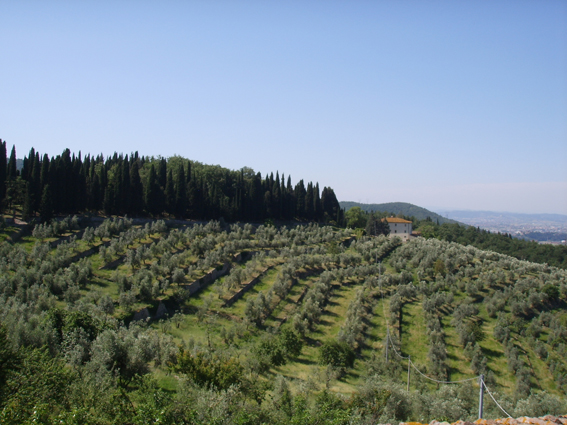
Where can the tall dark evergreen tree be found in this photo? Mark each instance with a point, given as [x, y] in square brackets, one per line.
[3, 169]
[290, 199]
[27, 164]
[66, 183]
[44, 175]
[35, 184]
[169, 192]
[153, 195]
[126, 202]
[27, 209]
[300, 193]
[309, 202]
[376, 226]
[192, 198]
[317, 203]
[46, 206]
[180, 192]
[136, 189]
[330, 205]
[161, 172]
[12, 170]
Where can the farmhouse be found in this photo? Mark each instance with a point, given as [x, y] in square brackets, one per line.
[399, 227]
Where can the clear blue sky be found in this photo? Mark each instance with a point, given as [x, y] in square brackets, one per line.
[453, 104]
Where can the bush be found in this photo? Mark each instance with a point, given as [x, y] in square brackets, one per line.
[338, 354]
[209, 369]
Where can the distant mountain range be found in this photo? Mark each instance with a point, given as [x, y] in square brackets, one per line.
[399, 208]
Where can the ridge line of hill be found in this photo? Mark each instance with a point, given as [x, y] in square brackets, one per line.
[403, 208]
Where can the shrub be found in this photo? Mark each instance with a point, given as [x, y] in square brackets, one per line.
[335, 353]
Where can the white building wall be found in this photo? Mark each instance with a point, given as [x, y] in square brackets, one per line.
[403, 230]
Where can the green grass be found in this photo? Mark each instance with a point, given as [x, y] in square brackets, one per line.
[288, 306]
[331, 320]
[414, 337]
[494, 352]
[335, 311]
[458, 364]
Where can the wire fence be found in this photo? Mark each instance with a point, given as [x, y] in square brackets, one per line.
[479, 378]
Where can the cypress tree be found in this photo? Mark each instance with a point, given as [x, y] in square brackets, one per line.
[276, 197]
[268, 204]
[161, 171]
[180, 192]
[80, 174]
[92, 187]
[66, 182]
[44, 175]
[27, 209]
[169, 192]
[153, 194]
[12, 171]
[109, 197]
[27, 166]
[35, 183]
[115, 181]
[125, 186]
[192, 197]
[290, 199]
[316, 203]
[136, 189]
[46, 206]
[257, 198]
[300, 193]
[309, 201]
[3, 169]
[330, 205]
[103, 185]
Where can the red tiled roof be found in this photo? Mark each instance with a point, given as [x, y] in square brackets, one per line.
[396, 220]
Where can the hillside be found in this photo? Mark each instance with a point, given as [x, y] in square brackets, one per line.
[403, 208]
[261, 324]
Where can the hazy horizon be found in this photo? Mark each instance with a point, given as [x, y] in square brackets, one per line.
[438, 103]
[440, 210]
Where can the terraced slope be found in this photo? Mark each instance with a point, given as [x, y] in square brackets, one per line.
[310, 307]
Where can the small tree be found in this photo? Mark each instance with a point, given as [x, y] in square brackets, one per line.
[338, 354]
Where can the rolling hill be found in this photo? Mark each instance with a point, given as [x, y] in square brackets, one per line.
[262, 324]
[399, 208]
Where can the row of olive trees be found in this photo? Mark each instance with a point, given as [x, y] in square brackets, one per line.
[516, 290]
[56, 228]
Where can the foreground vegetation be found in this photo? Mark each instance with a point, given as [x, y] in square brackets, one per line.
[129, 322]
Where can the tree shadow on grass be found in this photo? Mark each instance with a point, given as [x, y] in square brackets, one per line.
[491, 353]
[452, 356]
[101, 283]
[312, 342]
[305, 361]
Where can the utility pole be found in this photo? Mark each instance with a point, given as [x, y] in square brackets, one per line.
[387, 343]
[481, 396]
[409, 363]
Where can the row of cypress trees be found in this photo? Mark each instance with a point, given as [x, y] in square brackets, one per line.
[148, 186]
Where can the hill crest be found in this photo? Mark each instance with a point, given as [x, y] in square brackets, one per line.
[404, 208]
